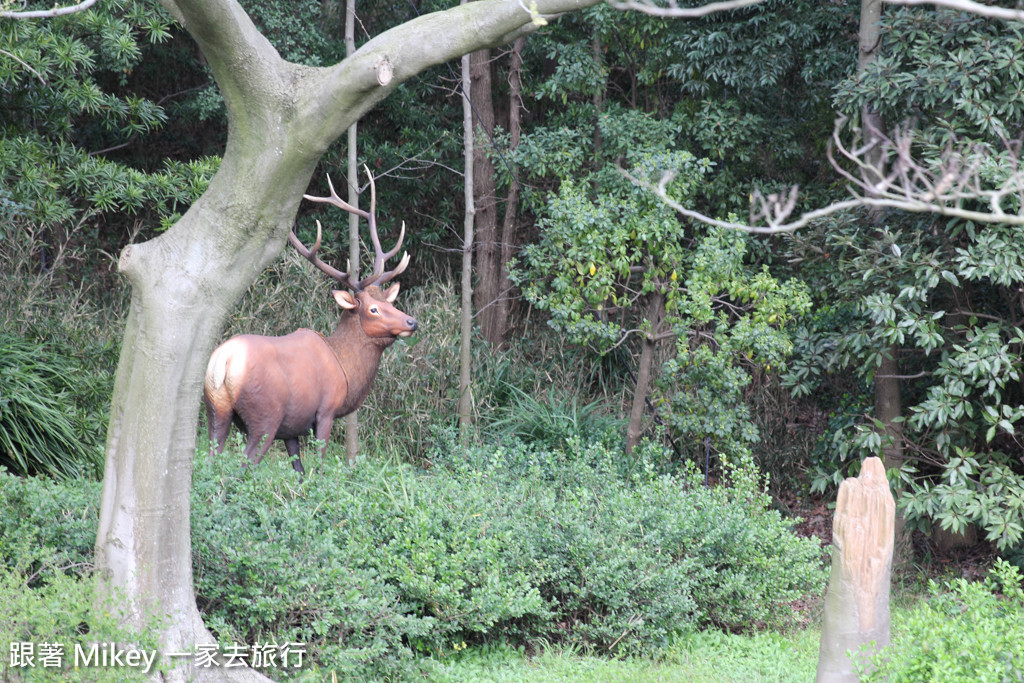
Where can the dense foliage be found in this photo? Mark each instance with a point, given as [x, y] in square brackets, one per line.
[946, 293]
[520, 544]
[47, 595]
[965, 633]
[70, 105]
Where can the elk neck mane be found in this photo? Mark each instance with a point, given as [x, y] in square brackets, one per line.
[358, 353]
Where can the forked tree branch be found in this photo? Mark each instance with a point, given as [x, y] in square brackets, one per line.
[911, 185]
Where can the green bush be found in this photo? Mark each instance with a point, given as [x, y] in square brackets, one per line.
[376, 565]
[371, 564]
[50, 521]
[628, 557]
[56, 616]
[967, 632]
[47, 533]
[276, 560]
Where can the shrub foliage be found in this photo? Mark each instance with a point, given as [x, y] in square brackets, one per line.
[374, 566]
[966, 633]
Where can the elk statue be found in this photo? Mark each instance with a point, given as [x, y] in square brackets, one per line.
[286, 387]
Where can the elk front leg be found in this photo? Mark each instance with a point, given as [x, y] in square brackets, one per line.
[323, 433]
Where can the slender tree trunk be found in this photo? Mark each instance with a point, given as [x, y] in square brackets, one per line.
[888, 404]
[466, 314]
[489, 267]
[655, 314]
[872, 121]
[888, 410]
[509, 236]
[352, 419]
[598, 98]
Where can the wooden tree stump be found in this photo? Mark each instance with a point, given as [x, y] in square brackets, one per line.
[857, 602]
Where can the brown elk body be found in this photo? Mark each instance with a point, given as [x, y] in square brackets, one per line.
[283, 388]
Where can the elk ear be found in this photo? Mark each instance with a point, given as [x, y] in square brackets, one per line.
[391, 294]
[345, 299]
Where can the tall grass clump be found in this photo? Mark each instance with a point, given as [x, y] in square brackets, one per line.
[57, 356]
[553, 419]
[41, 429]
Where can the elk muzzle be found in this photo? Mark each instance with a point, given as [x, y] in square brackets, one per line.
[411, 326]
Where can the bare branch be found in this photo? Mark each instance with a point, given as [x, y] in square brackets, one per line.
[47, 13]
[978, 8]
[25, 64]
[942, 188]
[671, 9]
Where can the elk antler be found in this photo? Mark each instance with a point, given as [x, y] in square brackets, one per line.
[378, 276]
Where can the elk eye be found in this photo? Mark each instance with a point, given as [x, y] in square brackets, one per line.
[373, 309]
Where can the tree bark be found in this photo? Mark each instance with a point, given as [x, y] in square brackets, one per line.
[281, 119]
[655, 314]
[872, 122]
[488, 290]
[352, 419]
[469, 235]
[888, 411]
[509, 228]
[888, 404]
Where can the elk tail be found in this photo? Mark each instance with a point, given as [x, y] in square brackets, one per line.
[217, 368]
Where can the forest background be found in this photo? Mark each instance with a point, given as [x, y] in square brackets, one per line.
[602, 317]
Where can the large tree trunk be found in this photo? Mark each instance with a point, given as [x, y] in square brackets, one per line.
[489, 268]
[184, 283]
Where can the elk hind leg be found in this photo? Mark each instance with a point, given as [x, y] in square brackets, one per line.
[218, 424]
[292, 445]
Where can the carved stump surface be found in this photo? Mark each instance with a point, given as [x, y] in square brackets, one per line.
[857, 602]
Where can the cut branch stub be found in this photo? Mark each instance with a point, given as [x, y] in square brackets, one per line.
[378, 276]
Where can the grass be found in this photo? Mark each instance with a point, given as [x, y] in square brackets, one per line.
[702, 657]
